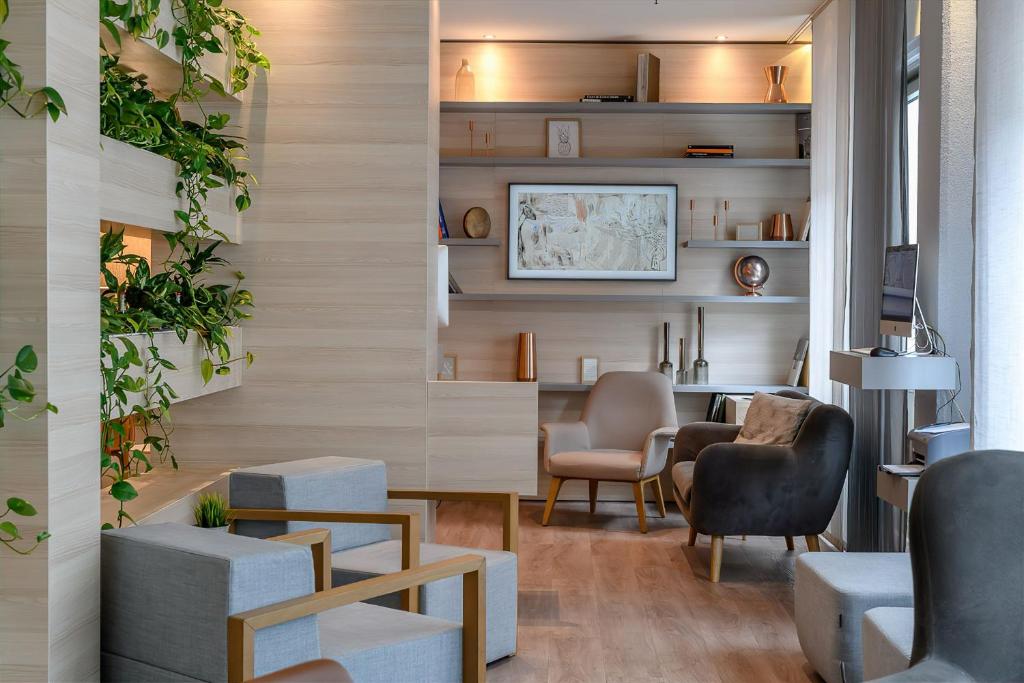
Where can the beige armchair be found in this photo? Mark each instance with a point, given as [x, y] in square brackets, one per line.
[625, 432]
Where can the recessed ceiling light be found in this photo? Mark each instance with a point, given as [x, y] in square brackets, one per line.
[488, 36]
[720, 38]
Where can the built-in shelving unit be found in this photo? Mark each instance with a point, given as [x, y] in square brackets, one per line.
[625, 162]
[471, 242]
[745, 244]
[629, 298]
[683, 388]
[623, 108]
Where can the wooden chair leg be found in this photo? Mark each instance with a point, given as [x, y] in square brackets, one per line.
[593, 495]
[716, 557]
[812, 543]
[556, 486]
[659, 497]
[638, 493]
[789, 542]
[693, 537]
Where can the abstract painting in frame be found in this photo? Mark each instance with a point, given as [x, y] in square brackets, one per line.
[592, 232]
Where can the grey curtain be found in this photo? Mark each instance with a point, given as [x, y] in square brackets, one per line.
[878, 214]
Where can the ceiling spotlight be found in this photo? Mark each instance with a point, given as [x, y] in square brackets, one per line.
[720, 38]
[488, 36]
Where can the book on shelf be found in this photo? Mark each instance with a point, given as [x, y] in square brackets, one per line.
[805, 222]
[716, 408]
[709, 151]
[799, 356]
[648, 76]
[606, 98]
[442, 224]
[453, 286]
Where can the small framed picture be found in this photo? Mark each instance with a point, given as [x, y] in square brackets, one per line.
[448, 368]
[563, 138]
[588, 370]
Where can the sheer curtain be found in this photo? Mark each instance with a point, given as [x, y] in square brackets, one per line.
[998, 365]
[878, 211]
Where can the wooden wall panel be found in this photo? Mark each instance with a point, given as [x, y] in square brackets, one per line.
[564, 72]
[49, 218]
[339, 243]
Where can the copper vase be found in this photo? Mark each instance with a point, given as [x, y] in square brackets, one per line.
[776, 76]
[782, 227]
[526, 358]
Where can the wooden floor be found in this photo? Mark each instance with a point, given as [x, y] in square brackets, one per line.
[598, 601]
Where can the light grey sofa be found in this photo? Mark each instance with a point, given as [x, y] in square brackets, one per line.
[887, 636]
[168, 591]
[365, 550]
[832, 593]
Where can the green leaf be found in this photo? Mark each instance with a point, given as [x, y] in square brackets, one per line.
[106, 526]
[11, 529]
[21, 507]
[42, 536]
[20, 389]
[123, 491]
[26, 360]
[4, 11]
[206, 370]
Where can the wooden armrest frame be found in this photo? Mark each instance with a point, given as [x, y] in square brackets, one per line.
[319, 543]
[242, 627]
[509, 502]
[409, 521]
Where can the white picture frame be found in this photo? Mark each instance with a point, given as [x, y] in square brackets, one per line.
[448, 368]
[563, 231]
[564, 138]
[589, 370]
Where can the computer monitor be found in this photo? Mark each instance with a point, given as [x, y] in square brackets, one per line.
[899, 287]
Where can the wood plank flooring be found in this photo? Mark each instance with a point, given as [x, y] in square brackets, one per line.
[598, 601]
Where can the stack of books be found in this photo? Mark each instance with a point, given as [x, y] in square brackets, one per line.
[709, 151]
[606, 98]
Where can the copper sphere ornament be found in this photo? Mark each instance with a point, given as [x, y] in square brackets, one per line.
[751, 273]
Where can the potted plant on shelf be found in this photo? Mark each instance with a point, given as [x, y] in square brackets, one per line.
[211, 512]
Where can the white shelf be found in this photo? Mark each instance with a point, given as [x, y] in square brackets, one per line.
[471, 242]
[622, 162]
[685, 388]
[896, 373]
[623, 108]
[137, 188]
[631, 298]
[746, 244]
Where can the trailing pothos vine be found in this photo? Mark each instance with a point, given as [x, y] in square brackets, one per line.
[185, 292]
[13, 93]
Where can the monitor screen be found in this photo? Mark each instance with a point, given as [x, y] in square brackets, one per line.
[899, 287]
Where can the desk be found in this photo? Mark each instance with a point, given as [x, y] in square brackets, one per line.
[895, 489]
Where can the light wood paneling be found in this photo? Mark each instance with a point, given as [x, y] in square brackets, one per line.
[49, 217]
[482, 436]
[565, 72]
[138, 189]
[339, 244]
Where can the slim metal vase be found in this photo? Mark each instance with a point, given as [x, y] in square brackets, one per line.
[665, 367]
[776, 76]
[700, 366]
[526, 358]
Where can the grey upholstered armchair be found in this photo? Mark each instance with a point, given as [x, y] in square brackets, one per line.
[623, 435]
[725, 488]
[967, 554]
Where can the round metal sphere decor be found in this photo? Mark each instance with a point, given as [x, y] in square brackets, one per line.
[751, 272]
[477, 223]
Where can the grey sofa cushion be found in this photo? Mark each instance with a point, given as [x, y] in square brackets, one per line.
[443, 599]
[832, 593]
[328, 483]
[194, 579]
[887, 636]
[381, 645]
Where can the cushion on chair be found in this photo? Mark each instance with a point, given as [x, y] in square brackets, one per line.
[381, 645]
[832, 593]
[443, 599]
[887, 634]
[682, 479]
[773, 420]
[194, 579]
[607, 465]
[328, 483]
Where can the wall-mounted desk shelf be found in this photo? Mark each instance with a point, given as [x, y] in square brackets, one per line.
[631, 298]
[470, 242]
[623, 108]
[685, 388]
[623, 162]
[745, 244]
[896, 373]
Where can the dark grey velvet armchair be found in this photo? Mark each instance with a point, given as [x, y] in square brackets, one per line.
[725, 489]
[967, 554]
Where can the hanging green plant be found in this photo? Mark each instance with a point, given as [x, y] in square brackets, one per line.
[12, 84]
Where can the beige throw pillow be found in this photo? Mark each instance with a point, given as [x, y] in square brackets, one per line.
[773, 420]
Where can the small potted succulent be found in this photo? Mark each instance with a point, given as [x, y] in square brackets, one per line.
[211, 512]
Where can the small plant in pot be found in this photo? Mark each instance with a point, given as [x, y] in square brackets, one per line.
[211, 512]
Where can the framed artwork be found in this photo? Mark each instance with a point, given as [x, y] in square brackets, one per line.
[563, 138]
[448, 368]
[592, 232]
[588, 370]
